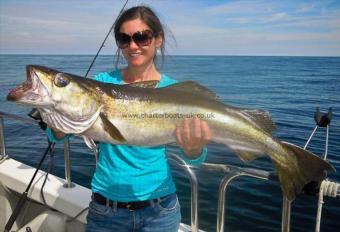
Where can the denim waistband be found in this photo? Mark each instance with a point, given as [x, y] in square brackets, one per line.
[100, 199]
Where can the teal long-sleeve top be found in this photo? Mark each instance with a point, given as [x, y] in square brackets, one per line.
[133, 173]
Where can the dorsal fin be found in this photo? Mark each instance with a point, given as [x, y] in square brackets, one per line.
[192, 87]
[144, 84]
[261, 118]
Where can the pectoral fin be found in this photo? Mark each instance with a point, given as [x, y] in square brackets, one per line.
[93, 146]
[111, 129]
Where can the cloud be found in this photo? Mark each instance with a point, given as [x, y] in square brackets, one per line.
[307, 7]
[330, 37]
[278, 17]
[241, 7]
[314, 6]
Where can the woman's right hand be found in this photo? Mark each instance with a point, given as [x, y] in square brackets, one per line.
[58, 134]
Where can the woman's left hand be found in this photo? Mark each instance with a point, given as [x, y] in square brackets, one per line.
[192, 136]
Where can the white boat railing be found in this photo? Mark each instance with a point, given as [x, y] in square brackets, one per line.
[328, 188]
[2, 140]
[194, 189]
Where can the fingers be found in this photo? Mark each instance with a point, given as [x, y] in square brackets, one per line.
[196, 132]
[179, 139]
[183, 133]
[205, 132]
[193, 135]
[186, 134]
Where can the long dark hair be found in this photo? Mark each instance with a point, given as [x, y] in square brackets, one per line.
[149, 17]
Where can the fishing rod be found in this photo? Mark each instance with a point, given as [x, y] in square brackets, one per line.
[103, 43]
[23, 196]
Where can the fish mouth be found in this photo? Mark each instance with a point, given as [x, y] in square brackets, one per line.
[30, 91]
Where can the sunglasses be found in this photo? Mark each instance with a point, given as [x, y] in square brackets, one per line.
[141, 38]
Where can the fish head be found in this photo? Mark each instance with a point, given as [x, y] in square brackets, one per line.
[60, 94]
[36, 90]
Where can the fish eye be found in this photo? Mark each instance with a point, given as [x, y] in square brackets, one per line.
[61, 80]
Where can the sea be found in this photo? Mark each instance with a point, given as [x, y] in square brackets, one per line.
[289, 88]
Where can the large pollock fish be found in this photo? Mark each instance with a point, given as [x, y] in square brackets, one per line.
[135, 115]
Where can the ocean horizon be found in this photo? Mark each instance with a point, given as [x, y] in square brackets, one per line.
[212, 55]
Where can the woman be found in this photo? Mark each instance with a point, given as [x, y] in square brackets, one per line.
[132, 186]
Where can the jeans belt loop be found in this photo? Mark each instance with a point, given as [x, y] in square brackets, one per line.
[107, 203]
[128, 206]
[152, 203]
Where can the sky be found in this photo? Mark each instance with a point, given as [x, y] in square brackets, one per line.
[194, 27]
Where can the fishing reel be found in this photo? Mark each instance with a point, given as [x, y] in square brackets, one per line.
[323, 119]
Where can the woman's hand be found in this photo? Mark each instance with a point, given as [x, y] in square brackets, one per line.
[58, 134]
[192, 136]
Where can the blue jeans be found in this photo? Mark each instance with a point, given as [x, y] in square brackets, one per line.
[163, 216]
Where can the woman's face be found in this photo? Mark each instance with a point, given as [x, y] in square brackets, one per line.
[139, 56]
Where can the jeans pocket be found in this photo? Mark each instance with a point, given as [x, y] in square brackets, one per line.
[99, 209]
[169, 203]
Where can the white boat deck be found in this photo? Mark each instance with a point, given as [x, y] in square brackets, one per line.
[14, 178]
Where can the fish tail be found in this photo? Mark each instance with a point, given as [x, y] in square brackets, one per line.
[305, 168]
